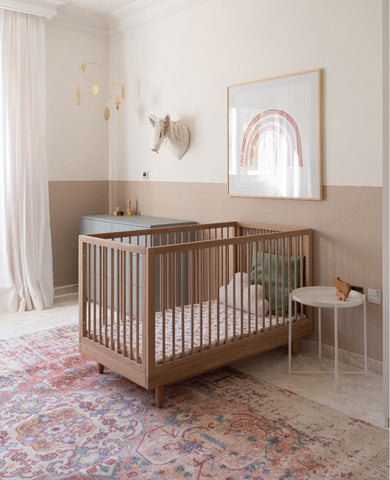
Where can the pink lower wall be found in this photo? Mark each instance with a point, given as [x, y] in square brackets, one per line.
[69, 200]
[347, 226]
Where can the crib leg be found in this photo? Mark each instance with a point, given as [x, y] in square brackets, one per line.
[100, 368]
[159, 393]
[294, 347]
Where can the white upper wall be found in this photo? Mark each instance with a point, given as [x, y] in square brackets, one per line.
[77, 136]
[182, 65]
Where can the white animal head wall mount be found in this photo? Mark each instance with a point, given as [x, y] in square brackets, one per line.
[175, 133]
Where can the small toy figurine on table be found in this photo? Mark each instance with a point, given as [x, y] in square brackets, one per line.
[117, 211]
[343, 288]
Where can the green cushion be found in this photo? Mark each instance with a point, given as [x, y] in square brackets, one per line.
[282, 285]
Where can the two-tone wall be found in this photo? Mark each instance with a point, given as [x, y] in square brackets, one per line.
[182, 65]
[77, 138]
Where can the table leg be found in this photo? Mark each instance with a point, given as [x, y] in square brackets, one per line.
[336, 348]
[289, 332]
[365, 334]
[319, 335]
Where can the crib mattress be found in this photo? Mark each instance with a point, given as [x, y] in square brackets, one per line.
[184, 331]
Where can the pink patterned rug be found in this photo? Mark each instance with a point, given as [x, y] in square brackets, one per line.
[61, 420]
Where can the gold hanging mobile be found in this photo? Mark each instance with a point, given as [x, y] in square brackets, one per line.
[95, 90]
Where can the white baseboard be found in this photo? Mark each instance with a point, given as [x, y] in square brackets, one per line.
[65, 290]
[348, 358]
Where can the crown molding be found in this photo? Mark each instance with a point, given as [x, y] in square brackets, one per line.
[140, 12]
[41, 8]
[78, 19]
[135, 14]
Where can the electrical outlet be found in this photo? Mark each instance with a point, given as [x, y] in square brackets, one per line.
[145, 175]
[374, 296]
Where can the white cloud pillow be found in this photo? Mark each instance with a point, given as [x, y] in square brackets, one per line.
[245, 286]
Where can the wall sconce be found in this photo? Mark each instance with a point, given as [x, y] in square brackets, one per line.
[117, 89]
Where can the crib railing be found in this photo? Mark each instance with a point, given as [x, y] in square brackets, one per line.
[205, 272]
[110, 287]
[154, 297]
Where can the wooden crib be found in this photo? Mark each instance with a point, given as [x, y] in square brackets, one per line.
[162, 305]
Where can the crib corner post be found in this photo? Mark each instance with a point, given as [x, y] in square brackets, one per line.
[159, 394]
[101, 368]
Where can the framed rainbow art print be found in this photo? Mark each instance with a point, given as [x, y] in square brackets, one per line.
[274, 137]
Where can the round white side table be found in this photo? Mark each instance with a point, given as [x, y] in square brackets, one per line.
[326, 297]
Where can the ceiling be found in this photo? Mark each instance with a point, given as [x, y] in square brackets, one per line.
[105, 7]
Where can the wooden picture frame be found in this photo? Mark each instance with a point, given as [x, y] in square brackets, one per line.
[275, 137]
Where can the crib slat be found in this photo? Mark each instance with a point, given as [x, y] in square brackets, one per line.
[124, 305]
[131, 306]
[290, 252]
[100, 294]
[263, 283]
[168, 284]
[277, 281]
[174, 266]
[196, 271]
[200, 280]
[216, 286]
[226, 298]
[302, 265]
[234, 295]
[112, 300]
[296, 256]
[254, 250]
[209, 293]
[242, 249]
[89, 280]
[83, 279]
[118, 298]
[248, 263]
[270, 281]
[137, 284]
[182, 301]
[94, 293]
[283, 255]
[191, 287]
[105, 302]
[162, 305]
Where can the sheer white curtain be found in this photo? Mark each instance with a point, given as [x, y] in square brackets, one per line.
[26, 272]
